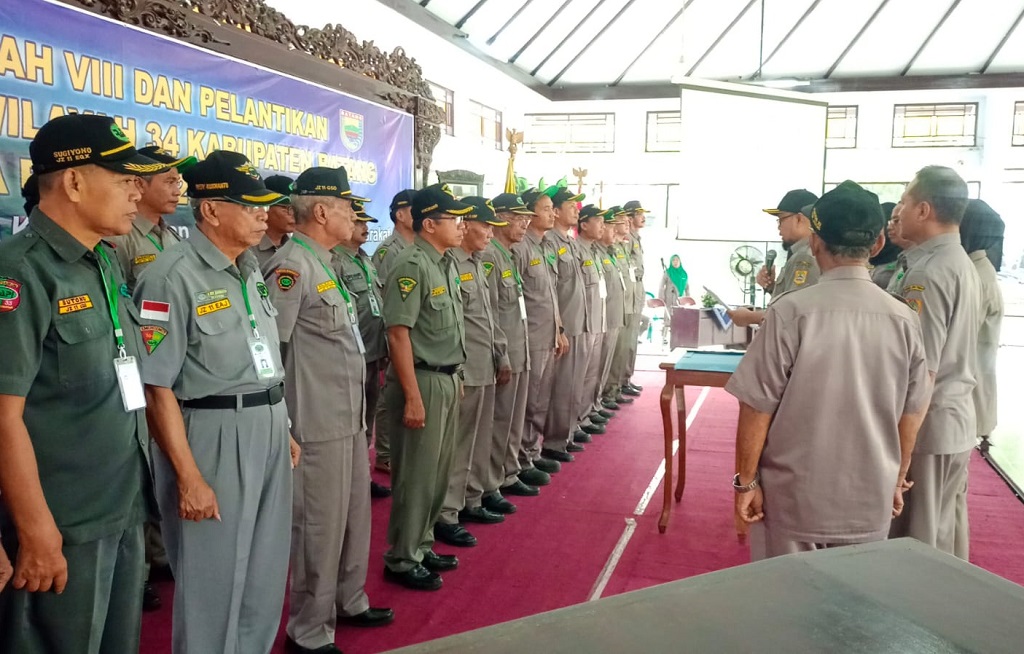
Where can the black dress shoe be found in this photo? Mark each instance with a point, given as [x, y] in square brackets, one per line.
[497, 504]
[528, 479]
[608, 415]
[574, 447]
[416, 578]
[580, 436]
[556, 455]
[635, 387]
[292, 647]
[629, 390]
[439, 562]
[524, 489]
[597, 419]
[453, 535]
[548, 465]
[150, 598]
[622, 399]
[594, 429]
[371, 617]
[611, 405]
[378, 491]
[480, 515]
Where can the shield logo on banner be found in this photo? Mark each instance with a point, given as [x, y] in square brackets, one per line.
[351, 130]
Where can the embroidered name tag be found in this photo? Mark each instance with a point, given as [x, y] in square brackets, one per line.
[466, 277]
[73, 304]
[562, 250]
[506, 274]
[588, 262]
[326, 286]
[438, 290]
[534, 262]
[219, 305]
[145, 258]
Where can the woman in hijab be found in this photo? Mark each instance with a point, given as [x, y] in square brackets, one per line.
[885, 263]
[980, 231]
[674, 283]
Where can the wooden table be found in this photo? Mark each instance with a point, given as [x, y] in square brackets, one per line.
[675, 381]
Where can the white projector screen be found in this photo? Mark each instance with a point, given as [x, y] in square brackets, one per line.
[742, 148]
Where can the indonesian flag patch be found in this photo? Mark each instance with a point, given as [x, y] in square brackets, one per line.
[152, 310]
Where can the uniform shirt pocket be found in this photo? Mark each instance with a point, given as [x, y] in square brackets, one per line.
[82, 357]
[333, 311]
[443, 309]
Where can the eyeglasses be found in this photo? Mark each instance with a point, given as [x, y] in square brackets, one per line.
[247, 208]
[780, 218]
[457, 219]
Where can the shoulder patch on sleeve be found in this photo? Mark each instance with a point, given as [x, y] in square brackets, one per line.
[800, 276]
[381, 251]
[488, 267]
[10, 294]
[915, 303]
[286, 278]
[152, 336]
[406, 286]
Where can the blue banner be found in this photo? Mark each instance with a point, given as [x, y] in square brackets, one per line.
[55, 59]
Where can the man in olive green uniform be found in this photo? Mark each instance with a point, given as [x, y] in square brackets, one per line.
[71, 515]
[214, 389]
[486, 364]
[615, 307]
[591, 231]
[280, 219]
[427, 342]
[383, 258]
[356, 269]
[536, 266]
[637, 217]
[509, 304]
[613, 397]
[322, 350]
[943, 287]
[564, 409]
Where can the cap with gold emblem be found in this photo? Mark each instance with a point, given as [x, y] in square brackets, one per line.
[361, 215]
[329, 182]
[229, 176]
[80, 139]
[163, 156]
[483, 211]
[437, 199]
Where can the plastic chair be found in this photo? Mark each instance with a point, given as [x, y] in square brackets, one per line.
[654, 304]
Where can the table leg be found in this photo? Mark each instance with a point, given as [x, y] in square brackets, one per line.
[666, 418]
[681, 417]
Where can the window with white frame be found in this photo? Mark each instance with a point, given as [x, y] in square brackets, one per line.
[841, 128]
[489, 124]
[935, 125]
[663, 131]
[570, 133]
[445, 99]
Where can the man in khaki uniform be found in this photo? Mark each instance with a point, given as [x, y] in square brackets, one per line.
[322, 350]
[536, 266]
[637, 217]
[595, 284]
[356, 269]
[427, 342]
[942, 285]
[280, 219]
[615, 320]
[616, 388]
[486, 365]
[822, 458]
[73, 447]
[566, 387]
[509, 304]
[213, 379]
[383, 258]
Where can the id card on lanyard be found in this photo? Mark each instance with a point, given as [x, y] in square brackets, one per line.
[353, 317]
[516, 275]
[259, 349]
[374, 305]
[126, 368]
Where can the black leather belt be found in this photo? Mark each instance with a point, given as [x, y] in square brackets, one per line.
[441, 370]
[241, 401]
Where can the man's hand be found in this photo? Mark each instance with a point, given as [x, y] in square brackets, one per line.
[295, 450]
[6, 570]
[744, 317]
[766, 277]
[749, 509]
[415, 416]
[40, 565]
[504, 376]
[897, 498]
[561, 346]
[196, 500]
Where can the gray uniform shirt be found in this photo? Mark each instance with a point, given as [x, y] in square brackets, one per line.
[942, 285]
[595, 286]
[568, 280]
[537, 273]
[322, 361]
[895, 284]
[266, 249]
[193, 292]
[141, 246]
[507, 303]
[636, 265]
[386, 253]
[357, 271]
[837, 364]
[622, 258]
[615, 308]
[988, 343]
[800, 270]
[486, 350]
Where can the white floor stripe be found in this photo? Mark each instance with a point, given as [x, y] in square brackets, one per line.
[627, 532]
[613, 560]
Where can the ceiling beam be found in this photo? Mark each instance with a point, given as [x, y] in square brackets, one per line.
[814, 5]
[656, 38]
[511, 20]
[469, 14]
[1002, 42]
[942, 21]
[579, 54]
[863, 29]
[568, 36]
[543, 27]
[721, 36]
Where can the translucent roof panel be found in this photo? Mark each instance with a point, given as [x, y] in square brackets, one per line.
[968, 37]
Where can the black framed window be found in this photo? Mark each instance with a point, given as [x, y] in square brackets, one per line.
[935, 125]
[841, 128]
[663, 131]
[570, 133]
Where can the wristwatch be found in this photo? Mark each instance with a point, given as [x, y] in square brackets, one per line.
[749, 487]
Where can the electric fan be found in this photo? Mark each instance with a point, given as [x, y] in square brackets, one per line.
[743, 263]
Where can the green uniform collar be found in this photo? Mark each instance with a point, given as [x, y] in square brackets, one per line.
[431, 251]
[63, 243]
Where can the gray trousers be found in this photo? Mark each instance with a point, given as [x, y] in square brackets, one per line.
[590, 375]
[608, 345]
[563, 410]
[100, 610]
[421, 461]
[509, 419]
[230, 575]
[538, 402]
[634, 324]
[381, 427]
[330, 538]
[766, 543]
[372, 389]
[472, 450]
[930, 507]
[619, 373]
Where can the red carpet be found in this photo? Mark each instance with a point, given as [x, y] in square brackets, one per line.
[552, 551]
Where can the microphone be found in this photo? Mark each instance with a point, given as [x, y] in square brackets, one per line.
[769, 259]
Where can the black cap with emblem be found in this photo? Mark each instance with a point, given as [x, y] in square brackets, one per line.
[437, 199]
[163, 156]
[80, 140]
[229, 176]
[793, 202]
[848, 215]
[511, 203]
[361, 215]
[328, 182]
[483, 211]
[280, 184]
[591, 211]
[633, 206]
[563, 195]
